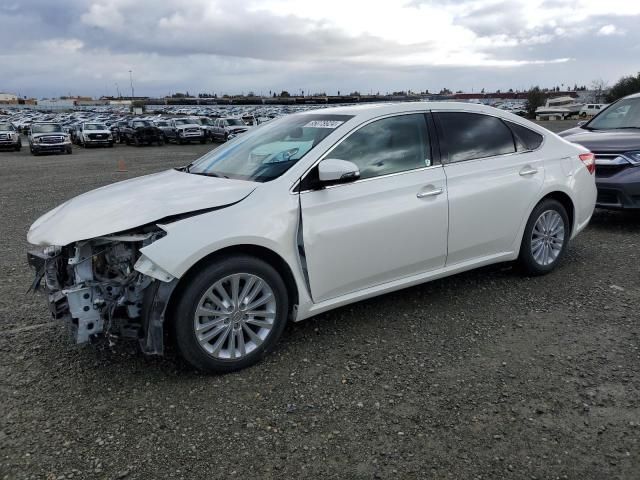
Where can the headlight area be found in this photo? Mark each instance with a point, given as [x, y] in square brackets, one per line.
[105, 286]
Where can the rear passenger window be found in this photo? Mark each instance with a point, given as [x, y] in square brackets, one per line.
[467, 136]
[525, 139]
[391, 145]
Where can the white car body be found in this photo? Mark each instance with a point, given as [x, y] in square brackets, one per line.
[360, 239]
[592, 109]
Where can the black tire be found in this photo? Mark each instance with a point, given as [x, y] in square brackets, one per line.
[183, 312]
[110, 145]
[226, 137]
[69, 151]
[526, 258]
[161, 142]
[18, 146]
[203, 140]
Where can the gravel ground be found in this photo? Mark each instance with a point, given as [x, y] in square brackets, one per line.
[486, 374]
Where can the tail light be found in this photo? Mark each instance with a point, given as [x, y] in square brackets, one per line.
[589, 160]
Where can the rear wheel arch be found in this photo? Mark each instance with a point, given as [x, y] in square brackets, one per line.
[566, 202]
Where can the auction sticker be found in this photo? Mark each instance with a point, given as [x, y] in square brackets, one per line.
[323, 124]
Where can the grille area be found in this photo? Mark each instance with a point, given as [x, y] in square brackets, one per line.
[98, 136]
[605, 170]
[52, 139]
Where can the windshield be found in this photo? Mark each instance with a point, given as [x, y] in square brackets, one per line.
[235, 121]
[94, 126]
[162, 124]
[141, 123]
[6, 127]
[268, 151]
[205, 121]
[622, 114]
[46, 128]
[183, 121]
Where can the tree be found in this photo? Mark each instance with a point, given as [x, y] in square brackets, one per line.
[535, 98]
[623, 87]
[284, 93]
[598, 86]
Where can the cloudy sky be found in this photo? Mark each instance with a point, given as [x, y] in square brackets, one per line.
[52, 48]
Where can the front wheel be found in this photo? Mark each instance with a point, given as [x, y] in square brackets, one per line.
[230, 314]
[545, 238]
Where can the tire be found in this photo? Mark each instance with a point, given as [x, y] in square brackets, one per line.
[18, 147]
[110, 145]
[203, 281]
[203, 140]
[69, 151]
[583, 114]
[226, 137]
[540, 251]
[161, 142]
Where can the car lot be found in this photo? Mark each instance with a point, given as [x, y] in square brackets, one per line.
[483, 375]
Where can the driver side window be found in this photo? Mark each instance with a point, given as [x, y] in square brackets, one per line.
[391, 145]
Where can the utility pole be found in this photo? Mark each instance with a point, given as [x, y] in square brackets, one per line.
[131, 80]
[118, 90]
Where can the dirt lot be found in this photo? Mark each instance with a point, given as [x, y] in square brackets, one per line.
[483, 375]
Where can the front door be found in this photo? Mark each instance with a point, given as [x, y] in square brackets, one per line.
[390, 224]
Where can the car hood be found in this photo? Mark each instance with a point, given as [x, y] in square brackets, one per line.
[132, 203]
[604, 140]
[50, 134]
[101, 132]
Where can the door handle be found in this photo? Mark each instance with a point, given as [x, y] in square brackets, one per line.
[528, 171]
[430, 193]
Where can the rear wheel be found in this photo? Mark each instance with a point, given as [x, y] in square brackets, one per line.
[18, 146]
[230, 314]
[545, 238]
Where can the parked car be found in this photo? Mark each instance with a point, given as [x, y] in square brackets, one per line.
[9, 136]
[206, 124]
[165, 126]
[591, 109]
[308, 213]
[614, 137]
[141, 132]
[94, 134]
[185, 130]
[48, 137]
[116, 128]
[227, 128]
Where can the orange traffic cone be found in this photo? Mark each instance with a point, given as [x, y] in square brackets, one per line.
[122, 167]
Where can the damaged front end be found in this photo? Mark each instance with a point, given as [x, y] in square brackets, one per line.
[106, 286]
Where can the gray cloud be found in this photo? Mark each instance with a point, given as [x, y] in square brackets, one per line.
[53, 48]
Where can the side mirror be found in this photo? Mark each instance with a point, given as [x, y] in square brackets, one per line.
[332, 171]
[581, 123]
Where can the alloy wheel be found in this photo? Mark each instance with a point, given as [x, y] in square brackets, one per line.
[547, 237]
[234, 316]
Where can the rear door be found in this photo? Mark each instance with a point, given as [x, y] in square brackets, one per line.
[493, 182]
[390, 224]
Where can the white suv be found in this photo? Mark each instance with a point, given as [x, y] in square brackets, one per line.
[307, 213]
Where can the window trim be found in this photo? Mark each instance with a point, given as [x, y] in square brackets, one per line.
[435, 153]
[444, 159]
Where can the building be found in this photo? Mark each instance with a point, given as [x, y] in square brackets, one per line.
[8, 98]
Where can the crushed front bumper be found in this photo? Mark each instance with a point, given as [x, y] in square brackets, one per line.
[75, 305]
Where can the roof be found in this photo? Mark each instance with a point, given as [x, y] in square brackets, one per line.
[376, 109]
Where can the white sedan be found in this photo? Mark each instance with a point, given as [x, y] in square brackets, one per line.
[307, 213]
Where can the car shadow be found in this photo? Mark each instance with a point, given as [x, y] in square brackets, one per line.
[613, 220]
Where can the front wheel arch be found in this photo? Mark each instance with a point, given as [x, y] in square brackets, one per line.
[262, 253]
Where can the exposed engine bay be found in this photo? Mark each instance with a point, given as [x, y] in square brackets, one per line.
[94, 286]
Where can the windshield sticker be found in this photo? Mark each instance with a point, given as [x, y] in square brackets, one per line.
[323, 124]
